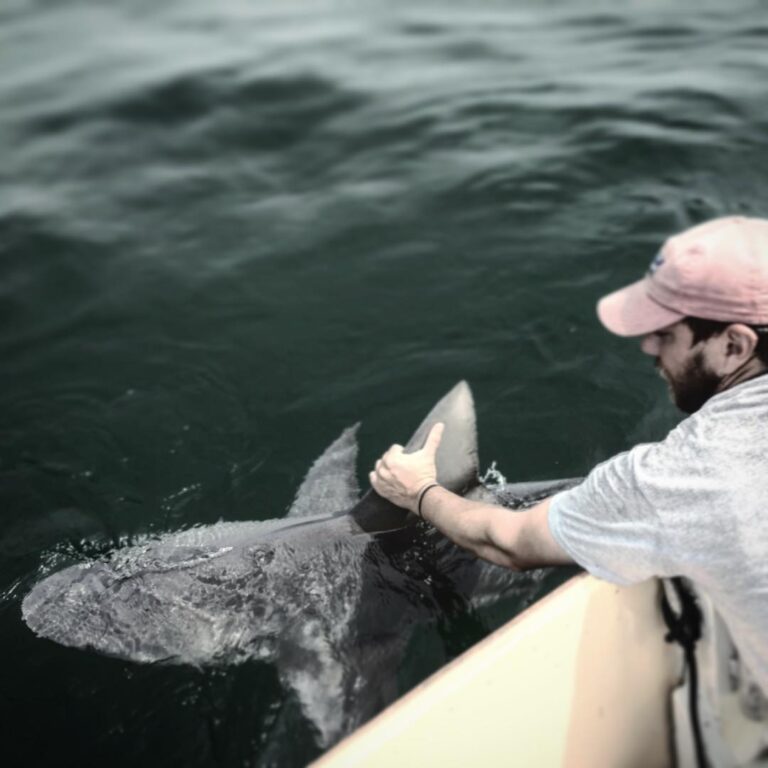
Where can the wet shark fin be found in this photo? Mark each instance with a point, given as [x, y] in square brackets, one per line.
[331, 483]
[328, 682]
[457, 457]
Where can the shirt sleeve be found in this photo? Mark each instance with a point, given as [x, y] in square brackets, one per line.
[639, 514]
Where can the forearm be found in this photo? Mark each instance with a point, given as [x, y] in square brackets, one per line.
[517, 540]
[490, 531]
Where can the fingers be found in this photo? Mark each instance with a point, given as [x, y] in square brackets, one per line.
[433, 439]
[389, 460]
[380, 479]
[374, 482]
[393, 452]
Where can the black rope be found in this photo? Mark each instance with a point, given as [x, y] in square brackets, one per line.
[685, 628]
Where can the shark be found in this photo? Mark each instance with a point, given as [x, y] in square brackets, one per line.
[330, 593]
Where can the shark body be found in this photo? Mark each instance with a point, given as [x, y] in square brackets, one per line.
[329, 593]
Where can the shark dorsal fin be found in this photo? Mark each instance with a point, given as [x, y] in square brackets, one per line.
[331, 483]
[457, 459]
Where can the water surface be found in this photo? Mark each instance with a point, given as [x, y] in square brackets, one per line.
[227, 233]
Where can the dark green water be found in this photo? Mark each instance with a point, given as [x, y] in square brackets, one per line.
[229, 230]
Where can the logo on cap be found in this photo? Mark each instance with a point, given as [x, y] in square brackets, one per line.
[658, 260]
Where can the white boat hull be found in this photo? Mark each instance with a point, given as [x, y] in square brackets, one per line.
[581, 680]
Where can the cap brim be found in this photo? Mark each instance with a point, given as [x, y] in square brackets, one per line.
[632, 312]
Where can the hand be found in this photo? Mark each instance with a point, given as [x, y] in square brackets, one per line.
[400, 476]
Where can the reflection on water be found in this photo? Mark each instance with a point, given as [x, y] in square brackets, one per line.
[227, 233]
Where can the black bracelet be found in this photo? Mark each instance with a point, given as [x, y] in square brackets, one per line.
[422, 495]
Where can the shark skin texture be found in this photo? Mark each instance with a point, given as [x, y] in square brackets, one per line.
[329, 594]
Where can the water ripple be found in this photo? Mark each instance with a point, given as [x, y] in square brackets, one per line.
[228, 230]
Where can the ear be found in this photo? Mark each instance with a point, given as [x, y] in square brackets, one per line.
[739, 345]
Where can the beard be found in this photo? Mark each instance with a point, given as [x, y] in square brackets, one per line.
[691, 388]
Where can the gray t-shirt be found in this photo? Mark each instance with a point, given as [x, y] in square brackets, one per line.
[693, 505]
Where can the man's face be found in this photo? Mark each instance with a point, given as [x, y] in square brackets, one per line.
[682, 365]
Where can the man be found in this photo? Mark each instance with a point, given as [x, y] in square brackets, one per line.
[694, 504]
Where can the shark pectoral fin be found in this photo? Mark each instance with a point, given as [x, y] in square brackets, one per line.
[318, 679]
[339, 694]
[331, 483]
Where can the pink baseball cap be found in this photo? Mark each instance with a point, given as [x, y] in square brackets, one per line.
[716, 271]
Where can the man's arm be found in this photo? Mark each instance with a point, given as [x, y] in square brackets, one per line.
[517, 540]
